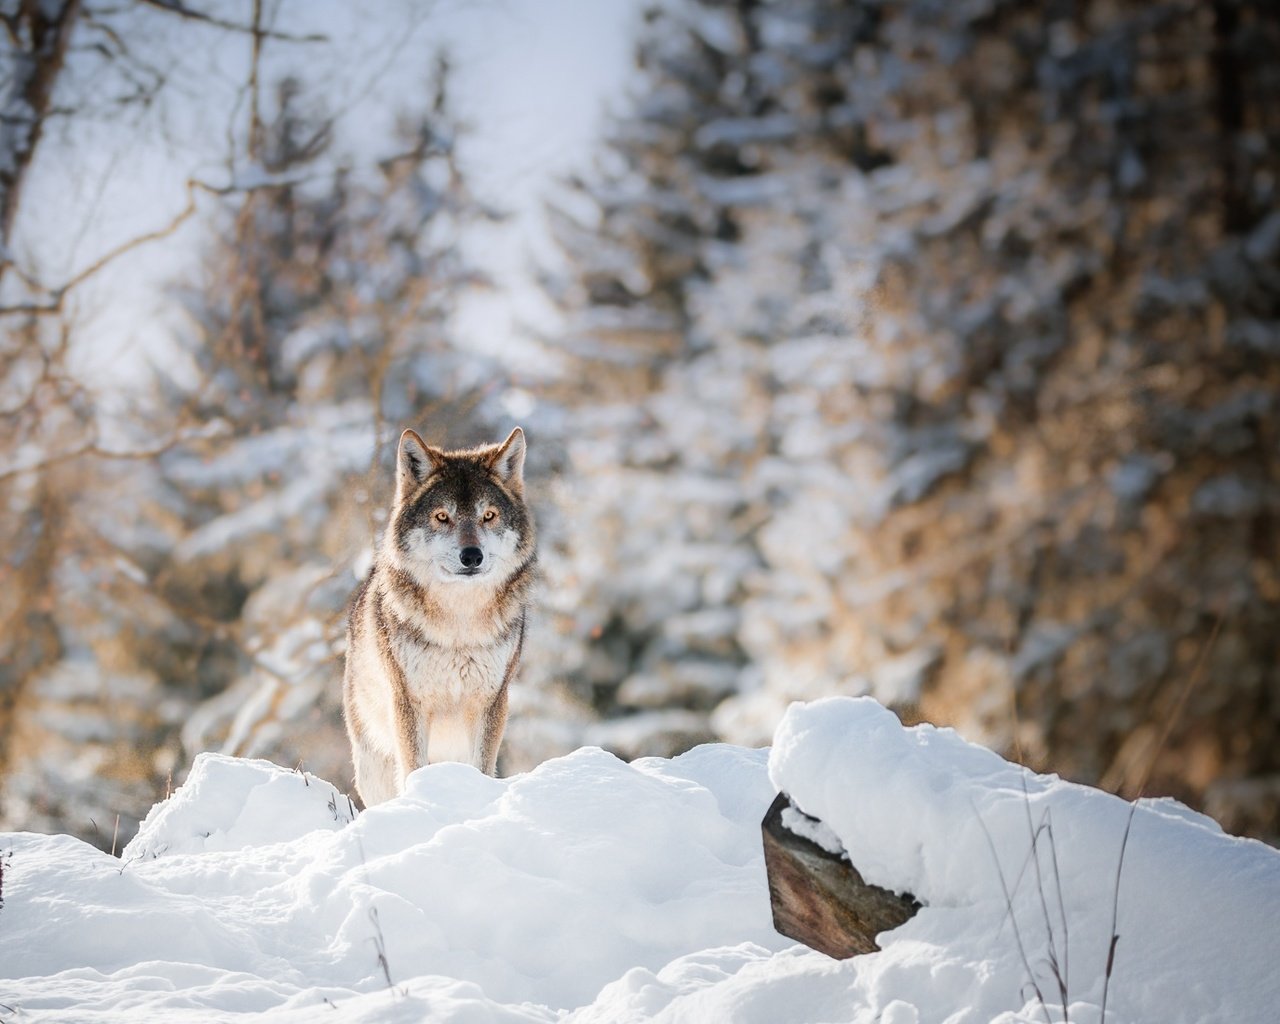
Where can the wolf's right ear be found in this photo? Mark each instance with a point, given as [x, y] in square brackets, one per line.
[416, 461]
[507, 461]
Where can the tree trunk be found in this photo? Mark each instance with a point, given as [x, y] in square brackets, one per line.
[39, 33]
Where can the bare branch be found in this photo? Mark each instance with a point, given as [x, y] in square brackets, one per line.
[190, 13]
[57, 296]
[94, 450]
[130, 65]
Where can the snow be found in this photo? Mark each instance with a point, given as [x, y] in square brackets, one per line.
[811, 829]
[245, 892]
[922, 811]
[592, 890]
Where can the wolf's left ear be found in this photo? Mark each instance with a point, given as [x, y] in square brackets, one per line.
[415, 461]
[508, 461]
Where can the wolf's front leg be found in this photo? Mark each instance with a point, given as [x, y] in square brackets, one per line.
[376, 774]
[495, 723]
[412, 727]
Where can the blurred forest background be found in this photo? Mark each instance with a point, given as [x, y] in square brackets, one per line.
[923, 349]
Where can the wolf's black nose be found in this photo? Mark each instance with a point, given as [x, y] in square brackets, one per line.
[471, 557]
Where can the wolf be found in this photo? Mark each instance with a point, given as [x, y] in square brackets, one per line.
[435, 631]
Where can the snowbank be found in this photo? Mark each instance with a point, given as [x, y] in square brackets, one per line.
[492, 899]
[920, 810]
[590, 890]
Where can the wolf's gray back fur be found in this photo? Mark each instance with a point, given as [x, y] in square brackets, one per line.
[435, 631]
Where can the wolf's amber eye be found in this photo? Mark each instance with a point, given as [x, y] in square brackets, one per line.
[490, 515]
[442, 516]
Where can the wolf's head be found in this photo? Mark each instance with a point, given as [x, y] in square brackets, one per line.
[460, 516]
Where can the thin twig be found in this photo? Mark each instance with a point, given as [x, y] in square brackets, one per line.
[380, 944]
[379, 940]
[1062, 912]
[6, 856]
[1034, 833]
[1008, 902]
[1115, 913]
[57, 295]
[1174, 714]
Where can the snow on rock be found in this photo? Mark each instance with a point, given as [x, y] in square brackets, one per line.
[922, 811]
[596, 892]
[813, 830]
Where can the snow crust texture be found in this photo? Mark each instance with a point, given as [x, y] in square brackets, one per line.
[594, 891]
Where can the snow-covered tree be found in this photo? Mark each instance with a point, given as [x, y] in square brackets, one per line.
[929, 351]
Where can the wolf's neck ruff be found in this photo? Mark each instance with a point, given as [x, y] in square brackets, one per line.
[435, 633]
[467, 614]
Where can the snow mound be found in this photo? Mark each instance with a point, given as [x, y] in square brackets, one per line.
[228, 803]
[920, 810]
[490, 899]
[594, 891]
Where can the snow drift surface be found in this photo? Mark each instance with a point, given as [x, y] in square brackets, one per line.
[248, 891]
[590, 890]
[921, 810]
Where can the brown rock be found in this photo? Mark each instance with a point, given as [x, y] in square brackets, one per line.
[820, 899]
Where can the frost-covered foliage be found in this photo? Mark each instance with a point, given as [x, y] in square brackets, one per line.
[208, 614]
[591, 890]
[55, 682]
[928, 351]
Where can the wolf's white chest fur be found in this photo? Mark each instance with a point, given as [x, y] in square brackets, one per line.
[445, 676]
[453, 685]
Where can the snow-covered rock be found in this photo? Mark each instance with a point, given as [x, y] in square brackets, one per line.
[920, 810]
